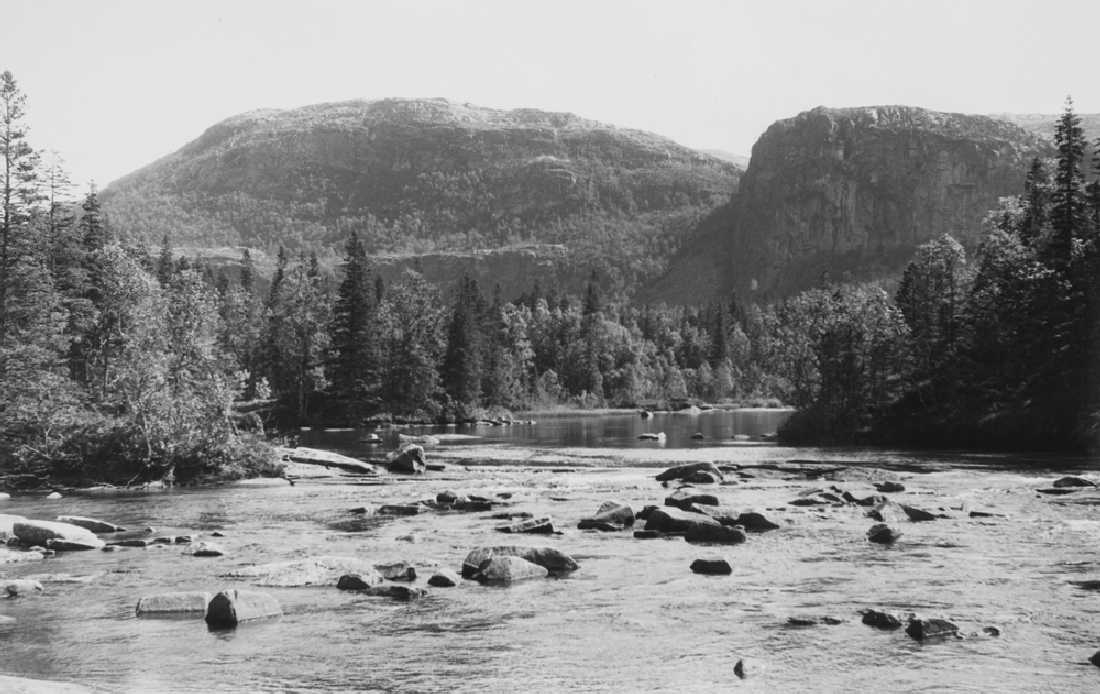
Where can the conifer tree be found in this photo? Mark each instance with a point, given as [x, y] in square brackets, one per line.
[354, 363]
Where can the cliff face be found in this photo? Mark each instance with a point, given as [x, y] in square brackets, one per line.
[850, 193]
[417, 176]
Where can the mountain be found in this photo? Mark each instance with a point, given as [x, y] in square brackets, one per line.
[834, 194]
[430, 177]
[738, 160]
[1042, 124]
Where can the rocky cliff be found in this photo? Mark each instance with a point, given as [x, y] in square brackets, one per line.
[835, 194]
[427, 176]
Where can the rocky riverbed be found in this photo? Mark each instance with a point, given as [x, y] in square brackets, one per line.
[755, 568]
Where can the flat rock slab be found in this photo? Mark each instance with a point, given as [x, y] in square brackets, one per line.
[686, 472]
[533, 526]
[402, 593]
[315, 571]
[229, 608]
[93, 524]
[881, 620]
[715, 534]
[396, 571]
[673, 520]
[316, 456]
[34, 532]
[192, 603]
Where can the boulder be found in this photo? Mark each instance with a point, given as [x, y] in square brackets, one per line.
[1095, 659]
[610, 516]
[753, 522]
[872, 500]
[178, 603]
[60, 545]
[917, 515]
[882, 534]
[646, 510]
[925, 629]
[7, 524]
[888, 512]
[314, 571]
[444, 578]
[683, 472]
[14, 587]
[712, 567]
[647, 534]
[396, 571]
[230, 607]
[715, 534]
[408, 460]
[402, 509]
[881, 620]
[403, 593]
[533, 526]
[675, 521]
[446, 497]
[34, 532]
[207, 549]
[684, 497]
[553, 560]
[1072, 482]
[508, 569]
[889, 487]
[92, 524]
[704, 477]
[357, 581]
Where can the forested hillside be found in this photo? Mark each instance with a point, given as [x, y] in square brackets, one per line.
[419, 176]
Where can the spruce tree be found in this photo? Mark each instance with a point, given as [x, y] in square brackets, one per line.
[1067, 213]
[354, 363]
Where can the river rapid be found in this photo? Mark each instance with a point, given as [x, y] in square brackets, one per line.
[632, 618]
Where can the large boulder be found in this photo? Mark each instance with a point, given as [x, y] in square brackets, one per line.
[314, 571]
[408, 460]
[553, 560]
[753, 522]
[684, 497]
[610, 516]
[508, 569]
[357, 582]
[882, 534]
[881, 620]
[675, 521]
[684, 472]
[7, 524]
[93, 524]
[35, 532]
[193, 602]
[444, 578]
[715, 534]
[711, 567]
[231, 607]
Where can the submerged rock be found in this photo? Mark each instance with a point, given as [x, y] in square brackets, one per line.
[93, 524]
[177, 603]
[230, 607]
[712, 567]
[402, 509]
[402, 593]
[925, 629]
[553, 560]
[314, 571]
[917, 515]
[754, 522]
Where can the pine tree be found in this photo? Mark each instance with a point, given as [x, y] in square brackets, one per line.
[354, 365]
[1067, 213]
[461, 368]
[18, 189]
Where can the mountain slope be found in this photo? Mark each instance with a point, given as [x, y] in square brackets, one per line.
[417, 176]
[833, 194]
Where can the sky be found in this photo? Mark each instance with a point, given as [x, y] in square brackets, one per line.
[115, 84]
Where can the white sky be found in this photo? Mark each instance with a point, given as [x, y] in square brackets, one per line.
[114, 84]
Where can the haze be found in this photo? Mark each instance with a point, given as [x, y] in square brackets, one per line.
[114, 85]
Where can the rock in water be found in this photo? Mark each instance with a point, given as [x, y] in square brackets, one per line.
[1095, 659]
[882, 534]
[924, 629]
[34, 532]
[59, 545]
[207, 549]
[889, 487]
[610, 516]
[715, 534]
[754, 522]
[674, 520]
[534, 526]
[553, 560]
[1072, 482]
[444, 578]
[917, 515]
[684, 497]
[712, 567]
[396, 571]
[508, 569]
[402, 593]
[179, 603]
[683, 472]
[881, 620]
[357, 582]
[15, 587]
[408, 460]
[92, 524]
[230, 607]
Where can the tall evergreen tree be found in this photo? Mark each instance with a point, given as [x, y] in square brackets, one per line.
[1067, 213]
[354, 344]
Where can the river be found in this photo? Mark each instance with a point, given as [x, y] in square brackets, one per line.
[632, 618]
